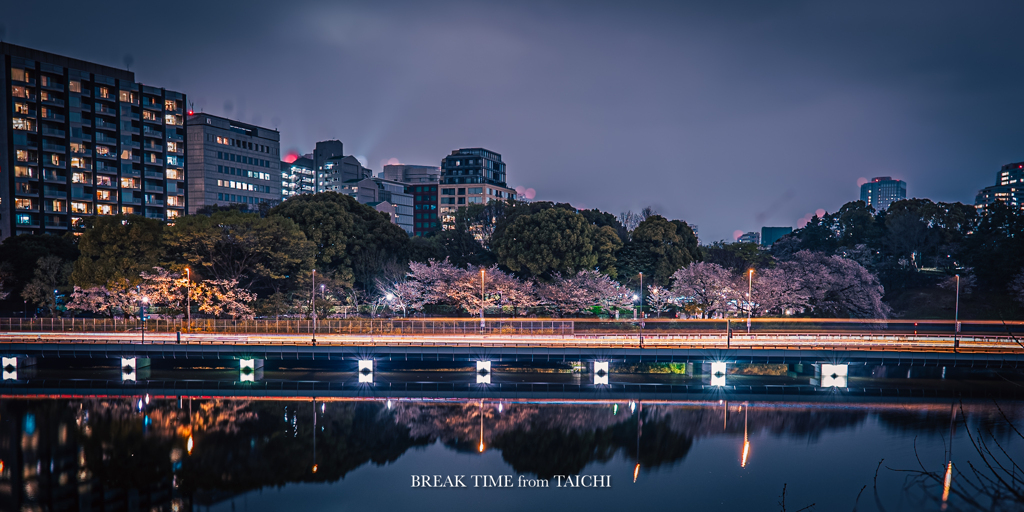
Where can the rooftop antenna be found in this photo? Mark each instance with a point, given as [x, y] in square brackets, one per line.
[128, 61]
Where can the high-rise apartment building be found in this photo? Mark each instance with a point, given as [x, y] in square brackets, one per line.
[81, 139]
[421, 182]
[770, 234]
[230, 162]
[1009, 188]
[471, 176]
[298, 177]
[880, 192]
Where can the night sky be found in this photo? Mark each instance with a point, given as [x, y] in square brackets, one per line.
[729, 115]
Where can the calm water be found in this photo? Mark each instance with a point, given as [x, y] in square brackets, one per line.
[88, 452]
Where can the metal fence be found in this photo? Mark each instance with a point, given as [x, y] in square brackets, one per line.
[382, 326]
[522, 326]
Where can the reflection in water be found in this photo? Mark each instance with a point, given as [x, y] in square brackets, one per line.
[168, 453]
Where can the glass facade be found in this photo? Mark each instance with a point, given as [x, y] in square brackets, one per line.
[879, 193]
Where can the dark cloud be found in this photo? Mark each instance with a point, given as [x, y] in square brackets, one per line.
[713, 111]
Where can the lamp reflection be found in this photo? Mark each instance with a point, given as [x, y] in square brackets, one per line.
[746, 441]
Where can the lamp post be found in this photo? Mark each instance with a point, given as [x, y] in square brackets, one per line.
[641, 310]
[956, 316]
[188, 298]
[142, 313]
[55, 302]
[314, 306]
[482, 272]
[750, 282]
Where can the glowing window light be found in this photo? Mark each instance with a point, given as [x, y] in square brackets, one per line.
[128, 368]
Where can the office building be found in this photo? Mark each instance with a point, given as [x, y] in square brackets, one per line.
[470, 176]
[1009, 188]
[230, 162]
[324, 150]
[385, 196]
[421, 181]
[750, 237]
[770, 234]
[880, 192]
[85, 139]
[298, 177]
[335, 171]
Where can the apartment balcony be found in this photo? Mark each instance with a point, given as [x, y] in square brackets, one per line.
[50, 86]
[150, 105]
[58, 223]
[86, 107]
[112, 198]
[26, 189]
[150, 146]
[154, 215]
[159, 189]
[127, 199]
[130, 129]
[54, 193]
[105, 110]
[155, 202]
[53, 132]
[81, 195]
[158, 175]
[57, 118]
[55, 148]
[133, 159]
[149, 132]
[131, 173]
[103, 125]
[105, 184]
[106, 156]
[130, 144]
[106, 169]
[103, 139]
[175, 137]
[26, 221]
[157, 121]
[54, 102]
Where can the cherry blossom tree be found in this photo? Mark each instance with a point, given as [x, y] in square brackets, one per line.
[223, 297]
[705, 287]
[837, 286]
[659, 299]
[775, 291]
[579, 293]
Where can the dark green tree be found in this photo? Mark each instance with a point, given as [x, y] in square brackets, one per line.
[19, 256]
[552, 241]
[116, 249]
[352, 240]
[658, 247]
[261, 254]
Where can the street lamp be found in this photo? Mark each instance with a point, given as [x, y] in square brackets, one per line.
[314, 306]
[142, 313]
[641, 310]
[956, 316]
[188, 298]
[750, 283]
[482, 276]
[55, 302]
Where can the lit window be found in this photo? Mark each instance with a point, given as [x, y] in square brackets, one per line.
[75, 86]
[19, 123]
[23, 204]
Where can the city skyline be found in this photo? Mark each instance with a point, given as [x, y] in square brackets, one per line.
[779, 108]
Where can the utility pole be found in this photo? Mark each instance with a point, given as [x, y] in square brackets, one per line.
[750, 282]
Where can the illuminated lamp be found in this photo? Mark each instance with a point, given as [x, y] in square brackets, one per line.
[717, 374]
[834, 375]
[601, 373]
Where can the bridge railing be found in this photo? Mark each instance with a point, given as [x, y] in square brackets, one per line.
[588, 327]
[349, 326]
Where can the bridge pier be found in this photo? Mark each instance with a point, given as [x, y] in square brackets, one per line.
[135, 368]
[716, 371]
[250, 370]
[483, 372]
[600, 373]
[366, 371]
[831, 375]
[11, 365]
